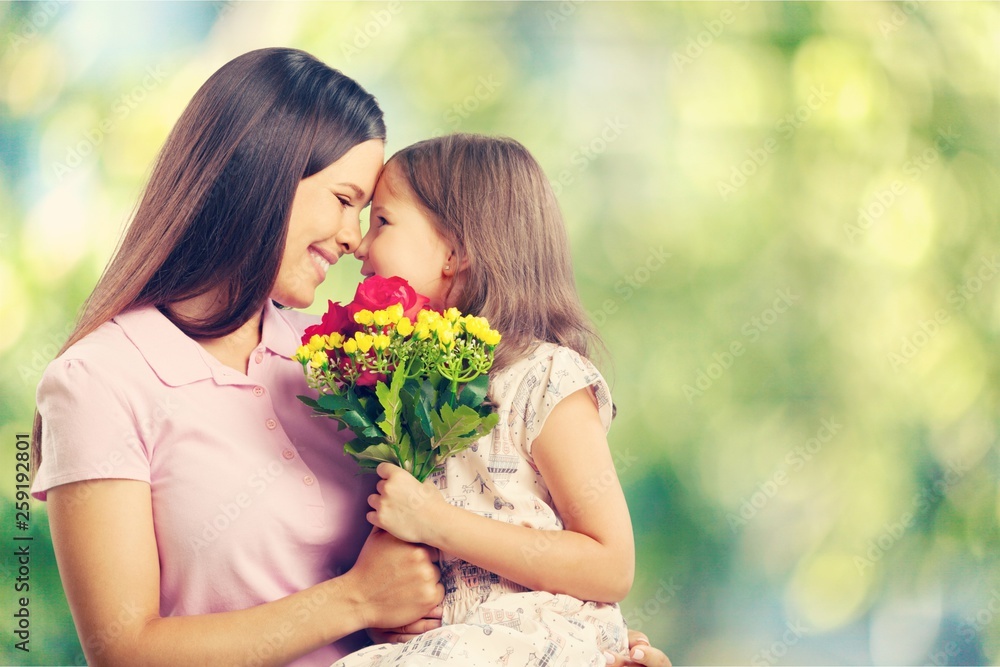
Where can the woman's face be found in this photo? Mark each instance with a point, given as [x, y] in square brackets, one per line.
[324, 223]
[403, 241]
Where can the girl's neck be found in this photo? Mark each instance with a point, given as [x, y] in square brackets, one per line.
[234, 349]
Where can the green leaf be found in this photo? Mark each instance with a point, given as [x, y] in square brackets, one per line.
[474, 393]
[378, 453]
[403, 449]
[446, 394]
[334, 403]
[389, 398]
[452, 426]
[311, 402]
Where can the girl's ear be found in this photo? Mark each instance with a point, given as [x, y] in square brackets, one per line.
[454, 264]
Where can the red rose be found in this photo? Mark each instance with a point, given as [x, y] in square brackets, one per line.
[335, 320]
[378, 293]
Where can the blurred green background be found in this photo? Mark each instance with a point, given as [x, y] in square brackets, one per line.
[784, 220]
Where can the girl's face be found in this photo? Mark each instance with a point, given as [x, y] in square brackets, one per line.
[324, 222]
[402, 241]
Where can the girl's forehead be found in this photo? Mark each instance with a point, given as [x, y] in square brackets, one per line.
[391, 182]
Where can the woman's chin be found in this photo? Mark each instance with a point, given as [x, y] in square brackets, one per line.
[294, 300]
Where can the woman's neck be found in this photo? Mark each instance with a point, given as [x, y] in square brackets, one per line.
[234, 349]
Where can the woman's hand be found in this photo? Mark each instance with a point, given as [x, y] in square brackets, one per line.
[432, 621]
[397, 583]
[408, 509]
[639, 653]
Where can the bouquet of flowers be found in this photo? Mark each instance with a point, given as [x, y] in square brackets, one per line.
[410, 382]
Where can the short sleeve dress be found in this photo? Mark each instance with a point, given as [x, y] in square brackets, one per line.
[489, 620]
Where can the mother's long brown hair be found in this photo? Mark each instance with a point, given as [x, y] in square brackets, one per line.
[214, 214]
[491, 199]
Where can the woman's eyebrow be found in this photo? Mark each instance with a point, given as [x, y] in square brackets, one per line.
[358, 192]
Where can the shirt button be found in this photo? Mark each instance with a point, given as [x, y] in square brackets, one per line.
[259, 358]
[308, 480]
[288, 454]
[271, 424]
[258, 391]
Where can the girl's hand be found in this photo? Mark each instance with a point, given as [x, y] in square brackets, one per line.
[639, 653]
[405, 507]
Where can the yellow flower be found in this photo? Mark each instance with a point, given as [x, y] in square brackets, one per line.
[363, 317]
[350, 346]
[491, 337]
[303, 354]
[334, 340]
[380, 317]
[365, 341]
[395, 312]
[428, 317]
[381, 342]
[316, 343]
[446, 338]
[452, 314]
[318, 359]
[405, 327]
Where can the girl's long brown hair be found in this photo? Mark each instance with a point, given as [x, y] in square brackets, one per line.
[214, 214]
[490, 198]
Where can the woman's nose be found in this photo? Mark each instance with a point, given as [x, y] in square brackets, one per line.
[349, 235]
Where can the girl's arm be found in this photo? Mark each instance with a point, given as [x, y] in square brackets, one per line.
[592, 559]
[105, 546]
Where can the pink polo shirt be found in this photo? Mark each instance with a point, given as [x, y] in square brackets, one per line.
[253, 499]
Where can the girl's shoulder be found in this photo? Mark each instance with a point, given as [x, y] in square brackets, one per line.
[547, 374]
[546, 357]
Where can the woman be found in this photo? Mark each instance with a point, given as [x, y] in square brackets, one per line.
[198, 514]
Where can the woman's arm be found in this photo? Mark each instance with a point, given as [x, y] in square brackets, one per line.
[592, 559]
[105, 546]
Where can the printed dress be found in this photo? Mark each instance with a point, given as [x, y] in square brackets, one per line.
[489, 620]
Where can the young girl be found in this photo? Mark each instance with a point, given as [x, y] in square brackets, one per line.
[535, 536]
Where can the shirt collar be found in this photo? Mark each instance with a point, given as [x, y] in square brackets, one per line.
[178, 359]
[278, 334]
